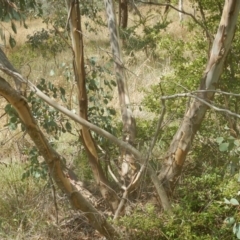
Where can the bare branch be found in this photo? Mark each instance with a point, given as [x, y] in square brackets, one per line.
[181, 11]
[205, 102]
[144, 165]
[121, 204]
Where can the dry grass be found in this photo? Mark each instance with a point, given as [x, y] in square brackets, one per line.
[28, 211]
[22, 32]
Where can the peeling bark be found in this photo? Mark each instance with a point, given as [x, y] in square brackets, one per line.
[54, 161]
[182, 141]
[78, 62]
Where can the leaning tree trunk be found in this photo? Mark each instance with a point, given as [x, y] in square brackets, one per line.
[193, 118]
[57, 169]
[79, 70]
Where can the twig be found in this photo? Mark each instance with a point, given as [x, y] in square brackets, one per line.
[63, 38]
[54, 197]
[159, 126]
[69, 14]
[136, 9]
[121, 204]
[115, 179]
[203, 101]
[181, 11]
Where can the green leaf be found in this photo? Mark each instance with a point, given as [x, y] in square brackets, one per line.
[12, 126]
[8, 108]
[14, 28]
[93, 61]
[68, 126]
[63, 98]
[236, 230]
[7, 17]
[226, 201]
[52, 73]
[50, 85]
[237, 143]
[16, 15]
[223, 147]
[112, 111]
[25, 25]
[13, 119]
[229, 221]
[113, 83]
[234, 202]
[2, 35]
[12, 42]
[62, 90]
[219, 140]
[36, 174]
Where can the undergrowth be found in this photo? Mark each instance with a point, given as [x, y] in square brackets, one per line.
[28, 211]
[199, 212]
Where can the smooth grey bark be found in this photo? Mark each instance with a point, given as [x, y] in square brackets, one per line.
[128, 163]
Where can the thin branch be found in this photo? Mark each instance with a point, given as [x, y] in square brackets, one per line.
[54, 197]
[217, 91]
[62, 37]
[121, 204]
[115, 179]
[136, 9]
[203, 101]
[181, 11]
[210, 38]
[159, 126]
[69, 14]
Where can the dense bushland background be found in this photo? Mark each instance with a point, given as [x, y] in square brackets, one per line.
[163, 57]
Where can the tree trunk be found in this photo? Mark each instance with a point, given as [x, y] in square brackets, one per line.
[78, 62]
[127, 162]
[180, 7]
[123, 13]
[193, 118]
[57, 169]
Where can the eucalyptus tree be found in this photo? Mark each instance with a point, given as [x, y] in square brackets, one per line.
[133, 163]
